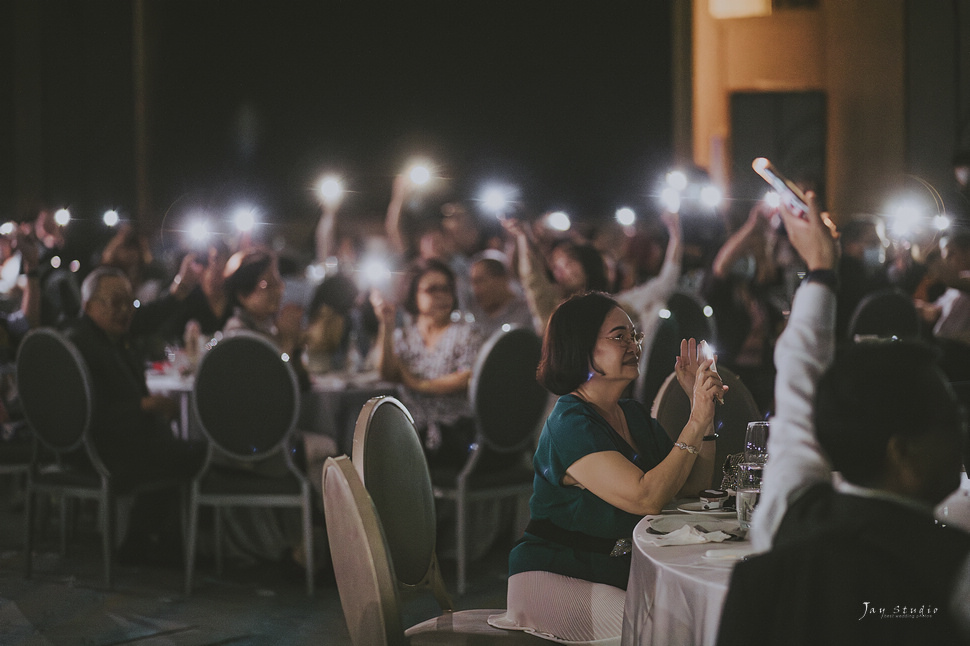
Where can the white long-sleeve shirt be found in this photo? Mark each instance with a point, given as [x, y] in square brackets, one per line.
[803, 352]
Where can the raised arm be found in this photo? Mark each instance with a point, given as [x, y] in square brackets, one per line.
[388, 364]
[324, 233]
[645, 301]
[392, 222]
[541, 293]
[803, 352]
[619, 482]
[739, 241]
[30, 300]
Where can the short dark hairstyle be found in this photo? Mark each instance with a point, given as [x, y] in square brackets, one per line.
[416, 272]
[877, 390]
[245, 272]
[592, 262]
[492, 266]
[567, 347]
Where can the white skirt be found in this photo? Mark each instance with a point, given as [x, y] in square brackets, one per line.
[563, 609]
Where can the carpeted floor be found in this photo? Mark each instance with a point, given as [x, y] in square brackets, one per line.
[66, 602]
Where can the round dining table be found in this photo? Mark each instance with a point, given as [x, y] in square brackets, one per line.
[675, 592]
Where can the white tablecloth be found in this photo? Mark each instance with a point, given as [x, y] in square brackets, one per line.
[675, 594]
[329, 408]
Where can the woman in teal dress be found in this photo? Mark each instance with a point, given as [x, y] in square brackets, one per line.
[601, 464]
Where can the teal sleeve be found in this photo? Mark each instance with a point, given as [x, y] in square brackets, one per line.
[571, 434]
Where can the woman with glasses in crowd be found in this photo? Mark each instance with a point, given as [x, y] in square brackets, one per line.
[602, 463]
[431, 356]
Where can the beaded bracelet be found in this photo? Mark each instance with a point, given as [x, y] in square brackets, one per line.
[687, 447]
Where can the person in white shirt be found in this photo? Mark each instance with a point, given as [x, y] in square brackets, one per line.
[863, 561]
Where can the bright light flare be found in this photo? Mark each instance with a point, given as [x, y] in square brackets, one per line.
[670, 199]
[710, 196]
[110, 218]
[316, 272]
[664, 313]
[419, 175]
[772, 199]
[62, 217]
[708, 311]
[905, 219]
[330, 189]
[199, 231]
[496, 199]
[559, 221]
[376, 272]
[625, 216]
[940, 222]
[677, 180]
[245, 219]
[7, 228]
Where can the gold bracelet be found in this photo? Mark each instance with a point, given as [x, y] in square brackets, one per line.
[687, 447]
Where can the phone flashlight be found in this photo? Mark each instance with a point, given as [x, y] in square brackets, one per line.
[787, 190]
[706, 352]
[419, 175]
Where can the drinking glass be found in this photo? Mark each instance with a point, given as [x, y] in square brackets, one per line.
[756, 442]
[748, 491]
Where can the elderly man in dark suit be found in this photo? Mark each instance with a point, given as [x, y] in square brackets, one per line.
[862, 561]
[130, 427]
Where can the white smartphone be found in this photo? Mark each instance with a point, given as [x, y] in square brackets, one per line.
[787, 190]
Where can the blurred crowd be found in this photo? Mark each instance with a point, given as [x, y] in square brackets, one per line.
[412, 300]
[416, 298]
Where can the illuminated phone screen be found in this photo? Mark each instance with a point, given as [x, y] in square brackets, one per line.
[789, 193]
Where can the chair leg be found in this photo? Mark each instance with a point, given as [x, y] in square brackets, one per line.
[107, 535]
[64, 514]
[29, 499]
[190, 540]
[308, 540]
[217, 534]
[460, 552]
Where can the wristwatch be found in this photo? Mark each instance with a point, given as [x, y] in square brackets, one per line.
[826, 277]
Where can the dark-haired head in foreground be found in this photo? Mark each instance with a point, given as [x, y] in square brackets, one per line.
[567, 348]
[888, 419]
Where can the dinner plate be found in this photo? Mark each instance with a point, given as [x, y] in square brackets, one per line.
[697, 508]
[667, 524]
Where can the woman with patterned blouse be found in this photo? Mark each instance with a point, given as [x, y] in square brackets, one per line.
[432, 358]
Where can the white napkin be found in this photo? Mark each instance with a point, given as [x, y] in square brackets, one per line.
[690, 535]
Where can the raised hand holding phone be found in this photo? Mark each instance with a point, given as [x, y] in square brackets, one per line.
[787, 190]
[812, 235]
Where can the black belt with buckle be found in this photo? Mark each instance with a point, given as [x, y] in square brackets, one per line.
[545, 528]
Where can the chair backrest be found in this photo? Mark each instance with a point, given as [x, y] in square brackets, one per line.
[672, 409]
[505, 397]
[361, 561]
[55, 389]
[885, 313]
[689, 313]
[686, 319]
[390, 461]
[246, 395]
